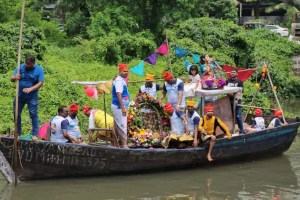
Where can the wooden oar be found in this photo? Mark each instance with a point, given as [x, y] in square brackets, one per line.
[15, 146]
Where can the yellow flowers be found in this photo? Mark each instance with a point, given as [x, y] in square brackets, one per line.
[264, 69]
[257, 85]
[274, 87]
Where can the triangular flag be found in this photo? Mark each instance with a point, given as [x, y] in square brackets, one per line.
[151, 59]
[163, 49]
[187, 64]
[106, 87]
[243, 73]
[95, 96]
[196, 58]
[138, 69]
[180, 52]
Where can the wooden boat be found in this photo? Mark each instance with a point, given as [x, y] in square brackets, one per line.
[44, 159]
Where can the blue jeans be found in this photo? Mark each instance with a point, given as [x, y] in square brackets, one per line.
[32, 104]
[239, 118]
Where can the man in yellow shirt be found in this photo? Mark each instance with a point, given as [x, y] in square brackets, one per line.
[207, 128]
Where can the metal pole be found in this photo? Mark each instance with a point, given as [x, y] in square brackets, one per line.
[15, 145]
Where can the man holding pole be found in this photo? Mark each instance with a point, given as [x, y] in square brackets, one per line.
[31, 78]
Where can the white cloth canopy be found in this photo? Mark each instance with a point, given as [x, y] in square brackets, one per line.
[216, 92]
[89, 82]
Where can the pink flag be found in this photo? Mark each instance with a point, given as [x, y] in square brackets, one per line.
[163, 49]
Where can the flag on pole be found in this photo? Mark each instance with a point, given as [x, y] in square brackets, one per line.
[196, 58]
[180, 52]
[106, 87]
[151, 59]
[163, 49]
[138, 69]
[243, 74]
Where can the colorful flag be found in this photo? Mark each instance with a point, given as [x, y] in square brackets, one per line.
[243, 73]
[138, 69]
[180, 52]
[106, 87]
[163, 49]
[151, 59]
[196, 58]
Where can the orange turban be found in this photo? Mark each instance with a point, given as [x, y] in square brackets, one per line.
[167, 76]
[168, 108]
[190, 103]
[277, 113]
[149, 77]
[258, 112]
[123, 67]
[73, 107]
[86, 109]
[208, 109]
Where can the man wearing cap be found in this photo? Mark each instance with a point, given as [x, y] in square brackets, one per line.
[73, 126]
[234, 81]
[59, 127]
[174, 87]
[276, 121]
[149, 87]
[193, 119]
[120, 103]
[207, 128]
[258, 122]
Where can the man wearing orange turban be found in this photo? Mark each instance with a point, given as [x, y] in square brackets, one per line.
[73, 126]
[120, 103]
[276, 121]
[174, 87]
[207, 128]
[149, 87]
[258, 122]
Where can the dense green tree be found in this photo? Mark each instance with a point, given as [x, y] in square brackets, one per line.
[290, 6]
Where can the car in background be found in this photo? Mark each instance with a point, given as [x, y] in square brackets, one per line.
[277, 29]
[253, 25]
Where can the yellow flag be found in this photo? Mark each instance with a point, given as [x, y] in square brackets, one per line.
[106, 87]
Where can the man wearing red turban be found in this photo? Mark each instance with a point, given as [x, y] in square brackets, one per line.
[120, 103]
[73, 126]
[258, 122]
[174, 87]
[207, 128]
[276, 121]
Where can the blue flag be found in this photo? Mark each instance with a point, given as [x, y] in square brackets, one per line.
[180, 52]
[196, 58]
[138, 69]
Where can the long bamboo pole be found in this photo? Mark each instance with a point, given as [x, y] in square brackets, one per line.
[169, 55]
[15, 146]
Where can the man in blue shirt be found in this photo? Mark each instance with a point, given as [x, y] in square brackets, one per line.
[31, 78]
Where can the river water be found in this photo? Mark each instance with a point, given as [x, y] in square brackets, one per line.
[272, 178]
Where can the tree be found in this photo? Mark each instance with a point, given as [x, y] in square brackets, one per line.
[291, 6]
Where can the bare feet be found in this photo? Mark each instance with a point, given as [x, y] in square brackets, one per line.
[209, 158]
[34, 138]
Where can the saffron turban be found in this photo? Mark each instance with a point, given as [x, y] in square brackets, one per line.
[86, 109]
[191, 103]
[208, 109]
[258, 112]
[123, 67]
[277, 113]
[168, 108]
[149, 77]
[167, 76]
[73, 107]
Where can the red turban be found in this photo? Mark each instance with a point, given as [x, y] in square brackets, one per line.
[208, 108]
[277, 113]
[73, 107]
[258, 112]
[86, 109]
[167, 76]
[122, 67]
[168, 108]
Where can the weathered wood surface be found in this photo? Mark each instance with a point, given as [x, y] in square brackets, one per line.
[6, 169]
[43, 159]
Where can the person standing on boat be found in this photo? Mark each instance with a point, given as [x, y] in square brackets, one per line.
[120, 103]
[174, 87]
[193, 119]
[31, 79]
[234, 81]
[149, 87]
[276, 121]
[59, 127]
[258, 122]
[207, 128]
[73, 125]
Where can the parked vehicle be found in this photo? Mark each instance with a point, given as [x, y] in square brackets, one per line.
[277, 29]
[253, 25]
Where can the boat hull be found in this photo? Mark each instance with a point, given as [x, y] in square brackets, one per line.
[43, 159]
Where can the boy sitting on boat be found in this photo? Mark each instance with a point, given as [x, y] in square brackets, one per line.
[258, 122]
